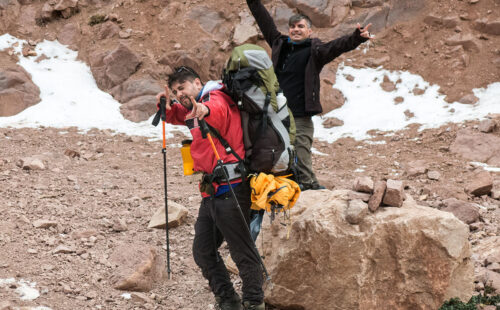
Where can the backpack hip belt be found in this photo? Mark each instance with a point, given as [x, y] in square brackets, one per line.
[217, 176]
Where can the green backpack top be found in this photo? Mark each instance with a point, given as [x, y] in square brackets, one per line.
[267, 122]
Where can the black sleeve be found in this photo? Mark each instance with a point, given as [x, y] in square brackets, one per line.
[327, 52]
[264, 20]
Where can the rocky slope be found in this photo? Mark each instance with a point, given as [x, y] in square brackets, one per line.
[73, 203]
[67, 218]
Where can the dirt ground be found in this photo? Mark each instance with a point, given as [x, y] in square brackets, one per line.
[120, 179]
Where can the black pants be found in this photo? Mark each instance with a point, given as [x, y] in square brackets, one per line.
[219, 219]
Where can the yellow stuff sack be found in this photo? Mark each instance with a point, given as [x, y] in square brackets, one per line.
[273, 193]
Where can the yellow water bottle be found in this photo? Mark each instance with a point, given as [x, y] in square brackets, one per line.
[187, 160]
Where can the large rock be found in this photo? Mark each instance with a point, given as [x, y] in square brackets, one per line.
[477, 146]
[205, 58]
[134, 88]
[464, 211]
[480, 183]
[323, 13]
[489, 27]
[62, 8]
[412, 257]
[394, 193]
[139, 267]
[468, 42]
[139, 109]
[402, 10]
[177, 214]
[70, 35]
[210, 21]
[17, 91]
[113, 68]
[331, 98]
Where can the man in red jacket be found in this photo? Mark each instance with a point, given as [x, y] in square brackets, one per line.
[218, 218]
[298, 60]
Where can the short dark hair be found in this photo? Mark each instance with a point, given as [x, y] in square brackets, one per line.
[182, 74]
[297, 18]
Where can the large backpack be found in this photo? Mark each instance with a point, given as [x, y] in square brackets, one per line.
[267, 122]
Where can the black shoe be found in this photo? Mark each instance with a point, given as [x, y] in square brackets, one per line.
[305, 186]
[316, 186]
[233, 302]
[248, 306]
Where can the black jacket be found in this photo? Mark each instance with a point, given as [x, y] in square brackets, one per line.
[321, 53]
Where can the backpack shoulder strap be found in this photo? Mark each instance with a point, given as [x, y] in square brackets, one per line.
[224, 142]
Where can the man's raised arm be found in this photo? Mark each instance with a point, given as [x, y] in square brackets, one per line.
[264, 20]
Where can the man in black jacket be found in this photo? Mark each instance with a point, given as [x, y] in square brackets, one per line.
[298, 60]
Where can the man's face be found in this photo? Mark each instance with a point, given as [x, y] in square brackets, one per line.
[183, 91]
[299, 31]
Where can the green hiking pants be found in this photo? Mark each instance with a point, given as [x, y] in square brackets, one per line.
[303, 143]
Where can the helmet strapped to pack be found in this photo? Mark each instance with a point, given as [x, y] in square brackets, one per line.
[268, 127]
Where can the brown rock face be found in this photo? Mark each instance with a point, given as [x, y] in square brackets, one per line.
[477, 146]
[378, 195]
[139, 109]
[139, 267]
[480, 184]
[464, 211]
[176, 216]
[113, 68]
[17, 91]
[331, 98]
[394, 193]
[394, 257]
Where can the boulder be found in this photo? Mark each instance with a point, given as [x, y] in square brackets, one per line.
[108, 30]
[468, 99]
[363, 184]
[210, 21]
[468, 42]
[113, 68]
[412, 257]
[177, 214]
[378, 195]
[403, 10]
[464, 211]
[282, 14]
[332, 122]
[487, 126]
[416, 167]
[62, 8]
[134, 88]
[480, 183]
[139, 109]
[394, 193]
[477, 146]
[488, 250]
[244, 33]
[489, 27]
[17, 91]
[31, 163]
[355, 212]
[138, 267]
[69, 35]
[331, 98]
[323, 13]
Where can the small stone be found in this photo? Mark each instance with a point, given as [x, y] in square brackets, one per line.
[433, 175]
[44, 223]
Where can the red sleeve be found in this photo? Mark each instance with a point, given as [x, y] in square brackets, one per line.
[219, 111]
[177, 114]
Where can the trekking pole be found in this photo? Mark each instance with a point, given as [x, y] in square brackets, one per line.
[206, 133]
[162, 113]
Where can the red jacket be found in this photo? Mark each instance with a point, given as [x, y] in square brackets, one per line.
[224, 116]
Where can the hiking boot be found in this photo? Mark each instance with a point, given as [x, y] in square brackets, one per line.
[233, 302]
[248, 306]
[308, 186]
[316, 186]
